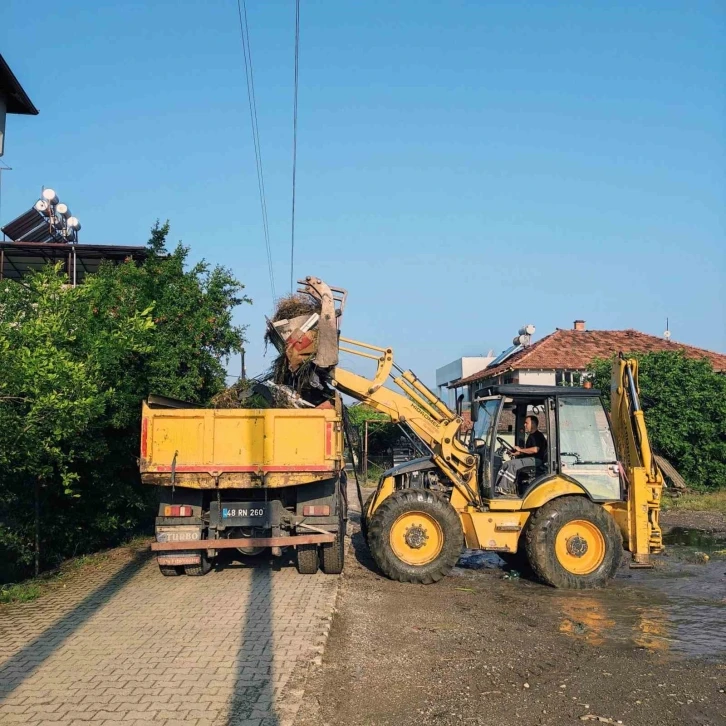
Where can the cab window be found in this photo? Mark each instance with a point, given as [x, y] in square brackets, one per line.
[587, 452]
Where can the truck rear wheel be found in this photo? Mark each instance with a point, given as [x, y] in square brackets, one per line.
[573, 543]
[415, 536]
[200, 569]
[332, 554]
[170, 570]
[306, 559]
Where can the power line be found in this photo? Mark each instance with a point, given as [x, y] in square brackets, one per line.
[294, 145]
[249, 77]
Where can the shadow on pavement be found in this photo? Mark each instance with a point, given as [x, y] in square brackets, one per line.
[254, 687]
[19, 667]
[363, 554]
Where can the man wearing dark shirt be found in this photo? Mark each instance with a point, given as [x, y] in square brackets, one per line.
[533, 453]
[536, 444]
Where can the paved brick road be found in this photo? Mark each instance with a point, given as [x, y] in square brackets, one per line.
[121, 643]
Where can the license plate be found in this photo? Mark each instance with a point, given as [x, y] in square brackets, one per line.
[244, 513]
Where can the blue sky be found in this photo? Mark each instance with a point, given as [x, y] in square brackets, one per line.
[463, 167]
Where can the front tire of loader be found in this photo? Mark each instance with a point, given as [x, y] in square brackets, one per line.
[306, 559]
[415, 536]
[363, 518]
[573, 543]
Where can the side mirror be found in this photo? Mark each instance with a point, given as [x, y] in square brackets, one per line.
[474, 411]
[459, 403]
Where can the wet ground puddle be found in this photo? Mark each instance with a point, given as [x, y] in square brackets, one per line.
[679, 606]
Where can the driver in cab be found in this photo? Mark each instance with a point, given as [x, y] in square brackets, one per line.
[532, 454]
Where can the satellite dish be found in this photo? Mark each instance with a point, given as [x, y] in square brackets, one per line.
[667, 335]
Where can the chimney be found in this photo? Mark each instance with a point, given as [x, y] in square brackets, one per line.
[579, 325]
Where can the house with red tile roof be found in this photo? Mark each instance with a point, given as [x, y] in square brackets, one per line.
[562, 357]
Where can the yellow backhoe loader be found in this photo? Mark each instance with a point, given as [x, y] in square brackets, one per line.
[595, 489]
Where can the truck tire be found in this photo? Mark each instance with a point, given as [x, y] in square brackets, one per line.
[306, 559]
[573, 543]
[170, 570]
[204, 566]
[332, 554]
[415, 536]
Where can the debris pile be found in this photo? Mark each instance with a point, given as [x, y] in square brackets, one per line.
[304, 332]
[256, 393]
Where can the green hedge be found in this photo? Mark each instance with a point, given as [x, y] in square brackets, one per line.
[75, 364]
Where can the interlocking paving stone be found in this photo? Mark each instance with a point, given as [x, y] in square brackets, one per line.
[120, 644]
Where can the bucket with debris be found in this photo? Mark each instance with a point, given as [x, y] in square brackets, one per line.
[304, 331]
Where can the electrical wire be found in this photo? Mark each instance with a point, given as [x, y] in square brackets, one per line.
[249, 77]
[294, 146]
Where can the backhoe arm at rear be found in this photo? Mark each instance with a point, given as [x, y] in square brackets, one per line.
[644, 480]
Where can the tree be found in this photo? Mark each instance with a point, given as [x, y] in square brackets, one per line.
[383, 434]
[52, 388]
[75, 364]
[685, 407]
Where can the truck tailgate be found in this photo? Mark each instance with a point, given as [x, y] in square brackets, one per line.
[239, 447]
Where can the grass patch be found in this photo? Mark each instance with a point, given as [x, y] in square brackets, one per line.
[32, 589]
[710, 502]
[374, 475]
[24, 592]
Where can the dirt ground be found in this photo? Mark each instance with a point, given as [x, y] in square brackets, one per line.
[714, 522]
[485, 647]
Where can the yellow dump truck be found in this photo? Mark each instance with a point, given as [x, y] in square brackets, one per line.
[247, 479]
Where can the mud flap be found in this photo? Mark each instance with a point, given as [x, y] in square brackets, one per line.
[179, 533]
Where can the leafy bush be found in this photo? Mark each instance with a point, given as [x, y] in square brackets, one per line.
[383, 434]
[685, 409]
[75, 364]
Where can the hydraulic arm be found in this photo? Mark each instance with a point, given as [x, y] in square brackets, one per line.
[418, 407]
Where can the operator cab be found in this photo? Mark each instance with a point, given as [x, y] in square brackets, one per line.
[577, 436]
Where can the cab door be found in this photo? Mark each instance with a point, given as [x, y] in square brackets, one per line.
[483, 441]
[586, 449]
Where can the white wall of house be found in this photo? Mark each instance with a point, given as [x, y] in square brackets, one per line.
[461, 368]
[529, 377]
[457, 369]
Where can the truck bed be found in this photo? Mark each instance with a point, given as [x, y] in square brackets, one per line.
[203, 448]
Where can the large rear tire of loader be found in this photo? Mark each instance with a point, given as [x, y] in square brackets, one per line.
[415, 536]
[306, 559]
[573, 543]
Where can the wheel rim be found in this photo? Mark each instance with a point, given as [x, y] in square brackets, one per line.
[580, 547]
[416, 538]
